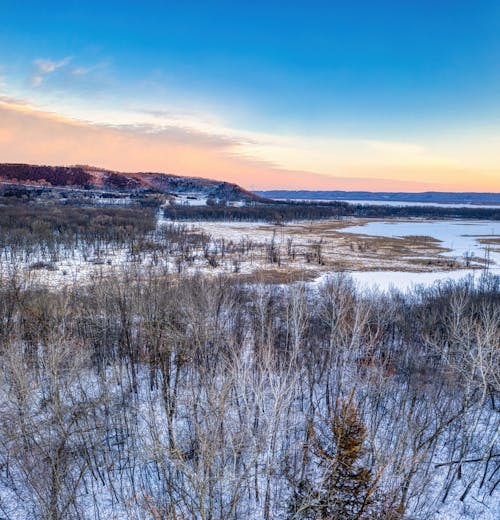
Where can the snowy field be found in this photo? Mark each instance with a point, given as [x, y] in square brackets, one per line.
[378, 254]
[401, 280]
[455, 240]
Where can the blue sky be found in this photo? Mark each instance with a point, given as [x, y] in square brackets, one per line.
[419, 73]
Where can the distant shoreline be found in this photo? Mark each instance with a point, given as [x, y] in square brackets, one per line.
[390, 198]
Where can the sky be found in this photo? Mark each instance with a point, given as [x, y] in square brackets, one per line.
[379, 95]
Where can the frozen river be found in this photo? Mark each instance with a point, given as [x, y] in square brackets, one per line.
[459, 237]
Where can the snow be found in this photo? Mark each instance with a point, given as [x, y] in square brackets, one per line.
[459, 237]
[190, 200]
[401, 280]
[387, 280]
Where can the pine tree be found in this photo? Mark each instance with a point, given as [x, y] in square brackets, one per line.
[338, 486]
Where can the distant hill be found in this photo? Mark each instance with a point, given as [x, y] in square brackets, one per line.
[92, 178]
[427, 197]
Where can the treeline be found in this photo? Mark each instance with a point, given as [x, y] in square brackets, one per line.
[14, 194]
[276, 212]
[281, 211]
[54, 175]
[138, 396]
[41, 236]
[50, 230]
[76, 176]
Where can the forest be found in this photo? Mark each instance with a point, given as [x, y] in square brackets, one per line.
[281, 211]
[187, 397]
[149, 393]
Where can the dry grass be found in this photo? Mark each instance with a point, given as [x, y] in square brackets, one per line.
[340, 251]
[432, 264]
[303, 250]
[279, 276]
[492, 241]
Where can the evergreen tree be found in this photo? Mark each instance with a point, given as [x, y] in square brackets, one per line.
[336, 484]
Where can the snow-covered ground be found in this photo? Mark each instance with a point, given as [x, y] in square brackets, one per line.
[458, 238]
[387, 280]
[197, 199]
[375, 267]
[188, 199]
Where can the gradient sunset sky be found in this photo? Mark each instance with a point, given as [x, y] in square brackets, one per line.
[359, 95]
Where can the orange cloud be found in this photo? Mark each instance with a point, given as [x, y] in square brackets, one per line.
[34, 136]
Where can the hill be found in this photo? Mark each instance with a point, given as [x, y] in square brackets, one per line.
[92, 178]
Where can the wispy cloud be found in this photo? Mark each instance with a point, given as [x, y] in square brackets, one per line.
[85, 70]
[45, 67]
[49, 66]
[81, 71]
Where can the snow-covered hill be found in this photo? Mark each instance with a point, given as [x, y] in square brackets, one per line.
[89, 177]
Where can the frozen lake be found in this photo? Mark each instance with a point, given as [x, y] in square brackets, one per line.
[460, 237]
